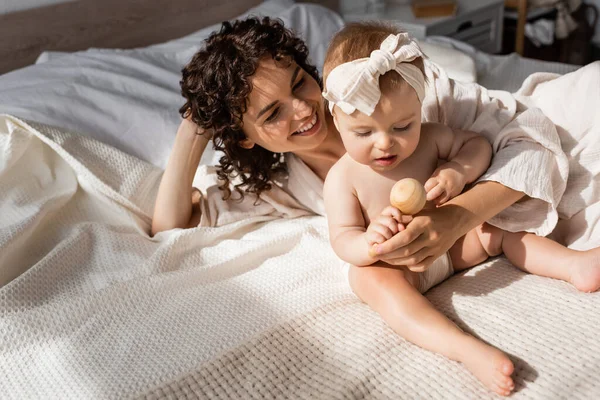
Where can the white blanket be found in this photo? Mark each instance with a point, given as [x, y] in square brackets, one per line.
[92, 307]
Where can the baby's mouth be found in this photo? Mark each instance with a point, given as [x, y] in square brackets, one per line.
[385, 161]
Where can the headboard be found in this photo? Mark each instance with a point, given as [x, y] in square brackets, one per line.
[82, 24]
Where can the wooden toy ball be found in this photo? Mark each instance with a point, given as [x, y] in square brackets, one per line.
[408, 196]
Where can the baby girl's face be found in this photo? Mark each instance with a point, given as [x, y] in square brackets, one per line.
[387, 137]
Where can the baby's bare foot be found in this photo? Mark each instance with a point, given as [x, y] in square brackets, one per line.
[585, 271]
[491, 366]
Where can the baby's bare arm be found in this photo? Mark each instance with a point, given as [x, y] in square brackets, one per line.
[346, 223]
[466, 151]
[467, 156]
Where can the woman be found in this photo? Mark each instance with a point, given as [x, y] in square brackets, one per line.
[252, 90]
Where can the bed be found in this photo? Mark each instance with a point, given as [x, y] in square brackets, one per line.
[91, 306]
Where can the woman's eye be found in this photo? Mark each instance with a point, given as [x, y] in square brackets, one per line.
[273, 116]
[298, 84]
[401, 128]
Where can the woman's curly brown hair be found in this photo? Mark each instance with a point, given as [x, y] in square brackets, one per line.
[216, 85]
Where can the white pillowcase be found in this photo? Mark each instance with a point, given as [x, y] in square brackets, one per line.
[457, 64]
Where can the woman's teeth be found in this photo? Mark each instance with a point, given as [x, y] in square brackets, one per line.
[309, 125]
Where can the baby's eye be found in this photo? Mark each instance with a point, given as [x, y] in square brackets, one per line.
[401, 128]
[299, 84]
[362, 134]
[273, 116]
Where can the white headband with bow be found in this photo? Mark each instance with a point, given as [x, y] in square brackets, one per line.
[355, 85]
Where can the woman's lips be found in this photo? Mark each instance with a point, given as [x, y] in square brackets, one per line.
[312, 130]
[386, 161]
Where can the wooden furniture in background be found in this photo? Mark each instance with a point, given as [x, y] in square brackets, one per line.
[576, 48]
[82, 24]
[477, 22]
[521, 7]
[433, 8]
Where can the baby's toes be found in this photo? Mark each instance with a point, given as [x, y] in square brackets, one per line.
[504, 382]
[502, 378]
[505, 367]
[501, 391]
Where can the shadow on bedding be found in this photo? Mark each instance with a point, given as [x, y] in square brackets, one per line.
[479, 288]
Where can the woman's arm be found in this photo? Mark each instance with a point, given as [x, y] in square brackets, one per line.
[432, 232]
[173, 207]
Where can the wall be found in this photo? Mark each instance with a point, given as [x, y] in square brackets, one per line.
[8, 6]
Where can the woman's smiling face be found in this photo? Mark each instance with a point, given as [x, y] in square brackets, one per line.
[285, 110]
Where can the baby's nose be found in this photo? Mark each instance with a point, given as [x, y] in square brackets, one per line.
[384, 142]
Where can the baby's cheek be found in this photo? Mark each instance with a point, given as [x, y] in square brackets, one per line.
[359, 152]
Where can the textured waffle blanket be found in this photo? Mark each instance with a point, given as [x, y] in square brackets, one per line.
[92, 307]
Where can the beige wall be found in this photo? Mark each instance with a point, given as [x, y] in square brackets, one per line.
[8, 6]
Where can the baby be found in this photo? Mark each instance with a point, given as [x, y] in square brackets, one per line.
[375, 85]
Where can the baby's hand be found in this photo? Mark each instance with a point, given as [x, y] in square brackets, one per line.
[390, 222]
[447, 182]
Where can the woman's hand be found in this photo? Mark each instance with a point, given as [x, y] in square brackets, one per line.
[432, 232]
[429, 235]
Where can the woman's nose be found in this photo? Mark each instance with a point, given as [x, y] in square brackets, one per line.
[301, 108]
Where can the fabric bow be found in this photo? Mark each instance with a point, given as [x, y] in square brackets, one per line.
[355, 85]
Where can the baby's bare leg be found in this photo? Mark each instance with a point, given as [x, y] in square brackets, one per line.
[392, 294]
[537, 255]
[468, 251]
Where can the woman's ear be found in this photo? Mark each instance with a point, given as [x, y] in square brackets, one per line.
[247, 144]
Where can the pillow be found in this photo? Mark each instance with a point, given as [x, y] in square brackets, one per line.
[458, 65]
[130, 98]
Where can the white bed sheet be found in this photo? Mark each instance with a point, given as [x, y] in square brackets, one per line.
[509, 72]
